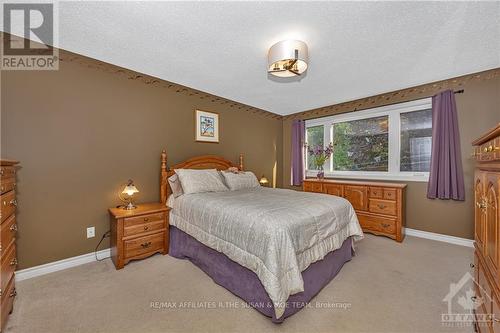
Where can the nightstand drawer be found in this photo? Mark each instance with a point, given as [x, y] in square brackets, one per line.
[144, 245]
[131, 221]
[145, 227]
[382, 207]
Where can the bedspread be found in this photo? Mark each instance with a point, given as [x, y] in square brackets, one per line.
[276, 233]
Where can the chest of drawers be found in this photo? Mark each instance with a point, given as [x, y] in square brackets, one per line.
[138, 233]
[8, 229]
[379, 206]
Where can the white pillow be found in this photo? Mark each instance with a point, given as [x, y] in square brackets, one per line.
[175, 185]
[241, 180]
[198, 181]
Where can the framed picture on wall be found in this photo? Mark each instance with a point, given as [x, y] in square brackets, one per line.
[207, 126]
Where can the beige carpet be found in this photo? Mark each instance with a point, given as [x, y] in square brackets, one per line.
[388, 287]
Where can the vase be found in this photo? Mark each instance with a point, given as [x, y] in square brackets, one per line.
[321, 173]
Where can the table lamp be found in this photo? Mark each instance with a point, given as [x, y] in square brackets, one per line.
[128, 193]
[263, 181]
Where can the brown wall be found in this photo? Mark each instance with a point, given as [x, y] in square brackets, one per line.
[478, 110]
[82, 131]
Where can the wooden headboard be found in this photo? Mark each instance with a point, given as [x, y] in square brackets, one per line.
[198, 162]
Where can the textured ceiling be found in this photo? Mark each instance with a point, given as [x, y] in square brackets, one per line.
[357, 49]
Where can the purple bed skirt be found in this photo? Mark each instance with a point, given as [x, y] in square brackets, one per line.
[245, 284]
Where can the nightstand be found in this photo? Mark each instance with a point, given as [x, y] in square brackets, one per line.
[138, 233]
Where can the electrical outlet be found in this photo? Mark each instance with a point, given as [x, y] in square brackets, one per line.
[90, 232]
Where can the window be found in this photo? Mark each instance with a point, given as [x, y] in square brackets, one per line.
[361, 145]
[315, 137]
[416, 138]
[391, 142]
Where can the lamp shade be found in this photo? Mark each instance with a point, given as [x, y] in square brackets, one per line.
[130, 189]
[282, 54]
[263, 180]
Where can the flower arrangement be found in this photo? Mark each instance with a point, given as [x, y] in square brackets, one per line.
[320, 154]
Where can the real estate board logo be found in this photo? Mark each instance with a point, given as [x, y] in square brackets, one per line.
[465, 300]
[29, 35]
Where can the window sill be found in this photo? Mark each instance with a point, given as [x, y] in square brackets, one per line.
[410, 177]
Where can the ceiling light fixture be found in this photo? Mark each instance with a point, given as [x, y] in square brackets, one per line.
[287, 58]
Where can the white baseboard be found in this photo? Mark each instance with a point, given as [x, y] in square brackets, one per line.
[440, 237]
[55, 266]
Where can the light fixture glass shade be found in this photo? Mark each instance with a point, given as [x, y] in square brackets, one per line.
[130, 189]
[282, 54]
[263, 180]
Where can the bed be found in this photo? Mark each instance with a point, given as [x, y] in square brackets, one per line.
[274, 248]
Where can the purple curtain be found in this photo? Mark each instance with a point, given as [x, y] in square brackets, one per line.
[446, 175]
[298, 136]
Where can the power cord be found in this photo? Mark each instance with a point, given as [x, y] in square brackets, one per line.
[106, 234]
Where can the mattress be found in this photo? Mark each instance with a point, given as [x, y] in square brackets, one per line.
[275, 233]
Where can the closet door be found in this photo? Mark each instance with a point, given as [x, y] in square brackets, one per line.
[479, 209]
[491, 213]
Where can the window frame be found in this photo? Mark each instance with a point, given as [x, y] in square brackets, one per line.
[393, 112]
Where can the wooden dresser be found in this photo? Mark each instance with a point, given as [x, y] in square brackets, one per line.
[487, 230]
[379, 206]
[7, 238]
[138, 233]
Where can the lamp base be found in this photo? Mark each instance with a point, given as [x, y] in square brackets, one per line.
[130, 206]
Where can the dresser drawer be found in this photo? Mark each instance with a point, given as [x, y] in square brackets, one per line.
[8, 204]
[312, 187]
[495, 320]
[137, 229]
[484, 288]
[9, 263]
[132, 221]
[389, 194]
[8, 233]
[7, 185]
[144, 245]
[7, 172]
[376, 192]
[8, 295]
[377, 223]
[382, 207]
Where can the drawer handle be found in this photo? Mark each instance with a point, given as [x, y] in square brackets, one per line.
[146, 227]
[13, 227]
[1, 172]
[381, 206]
[13, 293]
[472, 265]
[386, 225]
[13, 262]
[13, 202]
[146, 219]
[146, 245]
[473, 298]
[496, 320]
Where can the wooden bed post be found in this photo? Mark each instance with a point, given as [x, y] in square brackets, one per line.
[163, 181]
[241, 162]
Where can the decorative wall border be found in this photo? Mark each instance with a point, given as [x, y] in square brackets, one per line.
[70, 57]
[398, 96]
